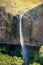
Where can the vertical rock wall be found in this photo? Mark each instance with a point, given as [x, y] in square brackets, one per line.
[33, 26]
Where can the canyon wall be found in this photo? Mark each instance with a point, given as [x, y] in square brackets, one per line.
[32, 24]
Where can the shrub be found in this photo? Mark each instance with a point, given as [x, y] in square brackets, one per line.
[41, 51]
[35, 63]
[37, 58]
[41, 55]
[9, 60]
[17, 61]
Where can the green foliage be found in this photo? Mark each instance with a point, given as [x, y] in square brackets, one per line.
[41, 55]
[41, 51]
[31, 55]
[34, 63]
[9, 60]
[41, 61]
[10, 50]
[12, 56]
[17, 61]
[37, 58]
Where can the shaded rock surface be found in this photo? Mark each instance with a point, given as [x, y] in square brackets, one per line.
[8, 27]
[33, 26]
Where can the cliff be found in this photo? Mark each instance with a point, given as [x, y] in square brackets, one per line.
[8, 27]
[32, 27]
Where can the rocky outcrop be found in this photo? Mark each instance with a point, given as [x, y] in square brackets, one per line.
[5, 24]
[8, 27]
[33, 26]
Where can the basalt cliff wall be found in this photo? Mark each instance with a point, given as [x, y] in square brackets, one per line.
[32, 25]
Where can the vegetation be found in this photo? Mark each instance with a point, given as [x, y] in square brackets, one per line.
[41, 55]
[13, 6]
[35, 63]
[11, 55]
[9, 60]
[41, 51]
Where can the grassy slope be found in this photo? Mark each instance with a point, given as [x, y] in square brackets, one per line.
[13, 6]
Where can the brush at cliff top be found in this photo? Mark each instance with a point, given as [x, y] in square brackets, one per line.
[13, 6]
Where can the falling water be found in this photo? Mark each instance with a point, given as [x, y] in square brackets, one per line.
[21, 36]
[23, 48]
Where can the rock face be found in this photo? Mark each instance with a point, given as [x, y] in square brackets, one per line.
[8, 27]
[33, 26]
[5, 24]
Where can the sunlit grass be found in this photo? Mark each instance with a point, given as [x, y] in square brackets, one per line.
[13, 6]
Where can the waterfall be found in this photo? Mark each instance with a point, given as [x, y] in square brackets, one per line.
[21, 36]
[23, 48]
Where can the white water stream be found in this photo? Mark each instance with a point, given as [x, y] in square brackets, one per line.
[23, 48]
